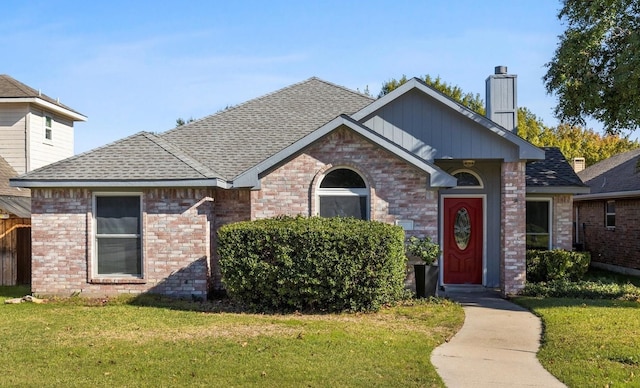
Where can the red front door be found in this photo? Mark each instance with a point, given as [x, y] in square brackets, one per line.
[462, 245]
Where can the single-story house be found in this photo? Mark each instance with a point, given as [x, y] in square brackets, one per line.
[141, 214]
[608, 219]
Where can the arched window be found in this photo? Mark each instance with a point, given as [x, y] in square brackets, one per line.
[468, 179]
[344, 193]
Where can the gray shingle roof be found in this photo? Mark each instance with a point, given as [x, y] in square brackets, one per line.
[238, 138]
[616, 174]
[7, 172]
[222, 145]
[13, 200]
[140, 157]
[553, 171]
[12, 88]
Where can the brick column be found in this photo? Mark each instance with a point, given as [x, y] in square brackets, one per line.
[562, 222]
[513, 228]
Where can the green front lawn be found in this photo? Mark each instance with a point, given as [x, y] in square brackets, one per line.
[84, 343]
[591, 342]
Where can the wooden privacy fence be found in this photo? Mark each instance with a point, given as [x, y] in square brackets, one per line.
[15, 251]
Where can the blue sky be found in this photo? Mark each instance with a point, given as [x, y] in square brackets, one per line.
[135, 66]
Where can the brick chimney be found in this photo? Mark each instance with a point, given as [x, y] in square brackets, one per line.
[578, 164]
[501, 99]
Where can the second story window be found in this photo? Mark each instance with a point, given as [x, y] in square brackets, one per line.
[48, 128]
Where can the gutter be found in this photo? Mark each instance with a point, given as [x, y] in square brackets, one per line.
[614, 194]
[46, 104]
[215, 182]
[579, 190]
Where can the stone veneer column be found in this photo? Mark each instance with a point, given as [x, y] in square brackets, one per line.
[513, 228]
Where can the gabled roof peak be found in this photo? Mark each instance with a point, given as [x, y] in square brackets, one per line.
[263, 97]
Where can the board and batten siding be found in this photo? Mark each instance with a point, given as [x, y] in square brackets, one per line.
[13, 121]
[42, 150]
[432, 130]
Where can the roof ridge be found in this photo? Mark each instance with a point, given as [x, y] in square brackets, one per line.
[356, 92]
[262, 97]
[181, 155]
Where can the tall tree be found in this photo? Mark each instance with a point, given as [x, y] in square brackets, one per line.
[595, 71]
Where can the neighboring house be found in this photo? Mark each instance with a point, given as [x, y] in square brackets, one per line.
[35, 130]
[608, 219]
[141, 214]
[551, 184]
[15, 230]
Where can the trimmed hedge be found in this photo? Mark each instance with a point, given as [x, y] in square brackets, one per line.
[312, 264]
[543, 266]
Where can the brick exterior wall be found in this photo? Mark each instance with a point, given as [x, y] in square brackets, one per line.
[513, 228]
[179, 225]
[619, 246]
[175, 240]
[398, 191]
[229, 206]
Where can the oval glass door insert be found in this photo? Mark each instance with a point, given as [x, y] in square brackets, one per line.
[462, 229]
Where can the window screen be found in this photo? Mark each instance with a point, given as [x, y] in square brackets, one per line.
[118, 244]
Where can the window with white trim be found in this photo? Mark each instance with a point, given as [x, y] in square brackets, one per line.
[48, 128]
[343, 193]
[610, 214]
[117, 235]
[538, 220]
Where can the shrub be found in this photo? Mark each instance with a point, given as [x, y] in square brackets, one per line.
[319, 264]
[556, 264]
[423, 248]
[600, 289]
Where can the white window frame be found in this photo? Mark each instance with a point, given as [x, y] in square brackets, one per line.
[607, 213]
[549, 220]
[344, 192]
[94, 257]
[475, 174]
[48, 129]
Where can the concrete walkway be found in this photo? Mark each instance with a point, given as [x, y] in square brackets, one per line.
[496, 346]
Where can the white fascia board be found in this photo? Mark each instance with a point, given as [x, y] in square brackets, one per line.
[132, 183]
[612, 195]
[558, 190]
[49, 106]
[250, 178]
[526, 150]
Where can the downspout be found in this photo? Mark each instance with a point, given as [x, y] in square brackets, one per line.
[577, 226]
